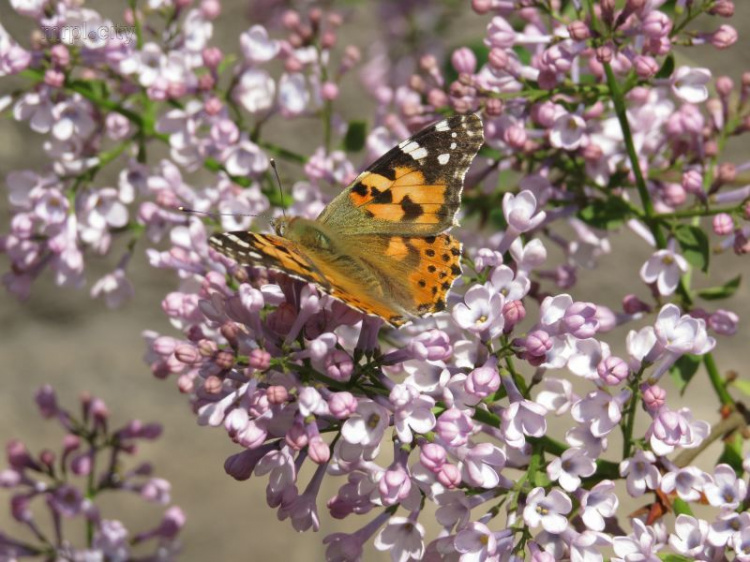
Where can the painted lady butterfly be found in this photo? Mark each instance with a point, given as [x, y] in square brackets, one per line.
[381, 245]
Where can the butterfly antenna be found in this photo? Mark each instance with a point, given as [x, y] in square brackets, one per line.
[214, 215]
[278, 182]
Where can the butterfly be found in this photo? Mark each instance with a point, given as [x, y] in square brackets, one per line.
[381, 245]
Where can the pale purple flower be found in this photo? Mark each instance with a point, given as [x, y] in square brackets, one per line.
[599, 504]
[294, 94]
[640, 546]
[568, 468]
[641, 473]
[481, 312]
[507, 283]
[115, 288]
[547, 510]
[567, 132]
[688, 483]
[412, 411]
[394, 486]
[246, 159]
[402, 538]
[255, 90]
[689, 84]
[482, 465]
[520, 212]
[256, 45]
[671, 429]
[682, 334]
[725, 490]
[367, 426]
[455, 427]
[37, 108]
[557, 396]
[476, 542]
[664, 268]
[689, 538]
[600, 410]
[522, 418]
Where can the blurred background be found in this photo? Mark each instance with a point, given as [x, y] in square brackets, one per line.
[63, 338]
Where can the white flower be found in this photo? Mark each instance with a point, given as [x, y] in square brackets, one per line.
[256, 46]
[293, 94]
[664, 268]
[567, 131]
[402, 538]
[255, 90]
[689, 84]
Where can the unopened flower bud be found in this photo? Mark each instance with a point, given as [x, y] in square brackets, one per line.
[723, 224]
[604, 54]
[579, 30]
[277, 394]
[724, 37]
[654, 397]
[722, 8]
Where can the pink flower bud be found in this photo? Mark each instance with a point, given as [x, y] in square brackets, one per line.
[723, 224]
[210, 9]
[722, 8]
[54, 78]
[483, 382]
[724, 85]
[613, 370]
[277, 394]
[692, 181]
[224, 360]
[579, 30]
[538, 343]
[449, 476]
[515, 136]
[329, 91]
[481, 6]
[328, 40]
[437, 98]
[645, 66]
[604, 54]
[656, 25]
[513, 312]
[432, 456]
[46, 401]
[498, 58]
[633, 305]
[464, 61]
[82, 464]
[673, 194]
[724, 37]
[259, 359]
[342, 404]
[60, 55]
[724, 322]
[318, 450]
[654, 397]
[296, 437]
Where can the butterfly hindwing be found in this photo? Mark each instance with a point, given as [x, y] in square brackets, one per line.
[275, 252]
[415, 188]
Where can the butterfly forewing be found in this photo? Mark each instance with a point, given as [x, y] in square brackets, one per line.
[415, 188]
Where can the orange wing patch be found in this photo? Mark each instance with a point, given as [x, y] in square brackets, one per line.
[439, 266]
[407, 197]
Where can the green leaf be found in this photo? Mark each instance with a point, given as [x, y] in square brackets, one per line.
[742, 385]
[694, 244]
[732, 454]
[681, 507]
[605, 214]
[675, 558]
[683, 371]
[356, 134]
[667, 68]
[724, 291]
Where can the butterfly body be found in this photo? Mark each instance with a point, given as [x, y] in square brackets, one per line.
[380, 246]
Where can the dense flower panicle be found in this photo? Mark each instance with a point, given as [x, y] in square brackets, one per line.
[589, 125]
[71, 483]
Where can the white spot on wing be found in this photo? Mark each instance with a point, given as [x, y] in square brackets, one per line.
[241, 243]
[453, 146]
[454, 134]
[410, 146]
[443, 159]
[442, 126]
[419, 153]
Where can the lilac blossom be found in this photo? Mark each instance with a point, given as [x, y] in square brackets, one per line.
[587, 126]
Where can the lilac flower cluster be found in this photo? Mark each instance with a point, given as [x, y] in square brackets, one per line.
[89, 465]
[596, 126]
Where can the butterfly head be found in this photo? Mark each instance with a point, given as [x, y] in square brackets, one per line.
[280, 225]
